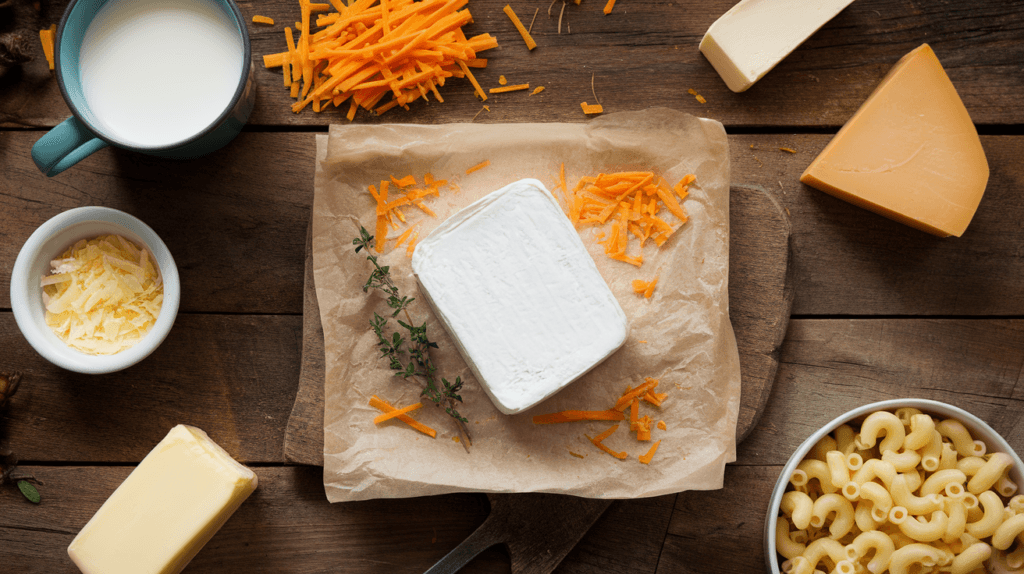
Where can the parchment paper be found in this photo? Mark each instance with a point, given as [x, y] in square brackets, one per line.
[681, 336]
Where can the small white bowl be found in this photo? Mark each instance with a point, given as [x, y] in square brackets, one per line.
[978, 428]
[48, 243]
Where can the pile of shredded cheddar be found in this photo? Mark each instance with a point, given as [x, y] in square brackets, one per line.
[103, 296]
[630, 399]
[628, 203]
[373, 49]
[389, 207]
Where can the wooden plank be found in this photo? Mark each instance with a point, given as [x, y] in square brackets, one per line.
[831, 366]
[721, 531]
[286, 526]
[232, 376]
[236, 223]
[644, 54]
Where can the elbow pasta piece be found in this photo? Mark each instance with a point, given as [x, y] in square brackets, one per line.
[932, 452]
[822, 548]
[1015, 559]
[904, 558]
[948, 458]
[1017, 503]
[798, 506]
[971, 558]
[864, 516]
[845, 436]
[914, 480]
[921, 428]
[1004, 535]
[926, 531]
[990, 472]
[878, 423]
[872, 541]
[958, 434]
[970, 465]
[785, 545]
[902, 461]
[902, 495]
[878, 496]
[875, 469]
[851, 491]
[1006, 487]
[992, 517]
[838, 471]
[906, 415]
[843, 519]
[854, 461]
[821, 447]
[937, 482]
[817, 469]
[957, 520]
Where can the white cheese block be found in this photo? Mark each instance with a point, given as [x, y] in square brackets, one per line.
[512, 283]
[166, 510]
[755, 35]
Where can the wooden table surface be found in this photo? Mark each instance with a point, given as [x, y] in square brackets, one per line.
[881, 310]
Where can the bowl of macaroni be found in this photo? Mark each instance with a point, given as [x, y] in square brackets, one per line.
[900, 486]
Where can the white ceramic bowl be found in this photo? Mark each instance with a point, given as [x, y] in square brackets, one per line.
[49, 242]
[978, 428]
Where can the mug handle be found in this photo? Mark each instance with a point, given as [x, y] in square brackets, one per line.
[64, 146]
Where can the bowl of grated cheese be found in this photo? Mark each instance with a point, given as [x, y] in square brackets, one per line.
[94, 290]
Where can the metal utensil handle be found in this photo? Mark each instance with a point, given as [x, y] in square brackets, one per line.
[481, 539]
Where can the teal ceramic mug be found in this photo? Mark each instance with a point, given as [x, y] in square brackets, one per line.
[170, 78]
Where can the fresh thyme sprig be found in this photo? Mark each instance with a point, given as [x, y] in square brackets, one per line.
[414, 344]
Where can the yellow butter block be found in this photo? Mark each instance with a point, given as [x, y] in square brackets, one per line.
[910, 153]
[166, 510]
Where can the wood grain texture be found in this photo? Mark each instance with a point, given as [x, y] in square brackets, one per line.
[236, 223]
[646, 52]
[286, 526]
[232, 376]
[831, 366]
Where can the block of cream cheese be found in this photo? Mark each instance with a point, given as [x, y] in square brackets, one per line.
[510, 279]
[910, 153]
[755, 35]
[166, 510]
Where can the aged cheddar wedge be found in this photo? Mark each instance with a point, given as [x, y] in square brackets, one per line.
[755, 35]
[910, 153]
[522, 299]
[166, 510]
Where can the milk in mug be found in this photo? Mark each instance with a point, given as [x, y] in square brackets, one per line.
[157, 72]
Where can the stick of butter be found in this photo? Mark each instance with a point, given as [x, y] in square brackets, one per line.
[911, 152]
[755, 35]
[511, 281]
[166, 510]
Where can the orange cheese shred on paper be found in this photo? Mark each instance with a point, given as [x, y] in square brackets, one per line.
[631, 397]
[374, 53]
[382, 405]
[389, 207]
[478, 166]
[629, 206]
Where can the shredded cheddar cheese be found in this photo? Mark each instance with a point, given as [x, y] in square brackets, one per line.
[502, 80]
[645, 288]
[478, 166]
[510, 88]
[390, 214]
[530, 44]
[608, 7]
[537, 90]
[47, 37]
[592, 109]
[371, 50]
[385, 407]
[104, 295]
[263, 20]
[631, 398]
[629, 204]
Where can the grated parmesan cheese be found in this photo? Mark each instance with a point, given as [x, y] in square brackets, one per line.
[103, 295]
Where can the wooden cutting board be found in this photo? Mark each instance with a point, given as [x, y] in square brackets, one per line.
[760, 298]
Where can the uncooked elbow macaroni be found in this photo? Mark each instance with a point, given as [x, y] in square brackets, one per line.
[903, 493]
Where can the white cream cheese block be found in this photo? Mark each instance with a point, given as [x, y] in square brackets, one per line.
[511, 281]
[755, 35]
[167, 509]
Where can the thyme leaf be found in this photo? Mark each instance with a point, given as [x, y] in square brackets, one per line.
[407, 348]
